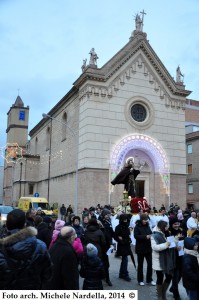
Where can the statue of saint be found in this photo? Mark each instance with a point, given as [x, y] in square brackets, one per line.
[84, 65]
[93, 57]
[179, 75]
[138, 23]
[127, 177]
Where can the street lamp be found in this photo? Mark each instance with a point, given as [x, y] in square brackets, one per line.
[75, 135]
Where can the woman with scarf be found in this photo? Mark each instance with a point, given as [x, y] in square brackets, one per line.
[163, 258]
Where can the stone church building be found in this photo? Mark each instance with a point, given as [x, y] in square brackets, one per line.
[130, 107]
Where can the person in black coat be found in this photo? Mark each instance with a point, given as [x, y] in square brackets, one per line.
[94, 235]
[92, 269]
[142, 234]
[62, 211]
[107, 229]
[44, 231]
[78, 228]
[65, 262]
[25, 263]
[122, 236]
[190, 268]
[177, 232]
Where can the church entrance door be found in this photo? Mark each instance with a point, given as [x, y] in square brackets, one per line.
[139, 188]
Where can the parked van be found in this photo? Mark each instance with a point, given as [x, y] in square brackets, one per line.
[27, 203]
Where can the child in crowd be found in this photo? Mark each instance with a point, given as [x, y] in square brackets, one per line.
[58, 226]
[92, 269]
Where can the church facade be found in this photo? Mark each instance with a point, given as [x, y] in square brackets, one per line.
[130, 107]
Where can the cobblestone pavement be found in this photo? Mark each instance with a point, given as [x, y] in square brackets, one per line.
[144, 292]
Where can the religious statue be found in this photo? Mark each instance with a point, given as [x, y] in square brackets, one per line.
[84, 64]
[127, 176]
[179, 75]
[93, 57]
[138, 23]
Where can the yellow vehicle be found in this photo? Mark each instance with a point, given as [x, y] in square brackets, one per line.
[27, 203]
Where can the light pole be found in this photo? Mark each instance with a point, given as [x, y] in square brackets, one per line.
[75, 135]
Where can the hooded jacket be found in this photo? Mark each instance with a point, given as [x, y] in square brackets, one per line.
[24, 261]
[122, 230]
[143, 245]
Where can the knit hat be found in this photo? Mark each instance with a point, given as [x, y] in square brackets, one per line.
[91, 250]
[189, 243]
[47, 220]
[59, 224]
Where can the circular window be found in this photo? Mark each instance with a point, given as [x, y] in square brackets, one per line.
[138, 112]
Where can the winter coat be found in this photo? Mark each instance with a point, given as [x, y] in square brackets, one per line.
[62, 210]
[95, 236]
[159, 249]
[44, 233]
[65, 270]
[78, 247]
[190, 270]
[58, 226]
[124, 245]
[92, 270]
[24, 261]
[143, 245]
[79, 230]
[108, 232]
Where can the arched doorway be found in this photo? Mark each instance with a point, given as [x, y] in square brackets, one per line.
[154, 180]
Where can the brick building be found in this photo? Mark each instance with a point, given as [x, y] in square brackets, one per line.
[192, 144]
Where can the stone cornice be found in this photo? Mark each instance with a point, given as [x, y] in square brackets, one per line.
[16, 126]
[141, 65]
[192, 136]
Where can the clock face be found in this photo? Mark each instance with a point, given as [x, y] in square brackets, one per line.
[138, 112]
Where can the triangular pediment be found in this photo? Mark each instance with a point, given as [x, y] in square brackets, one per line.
[136, 55]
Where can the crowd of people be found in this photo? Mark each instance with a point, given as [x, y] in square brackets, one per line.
[38, 252]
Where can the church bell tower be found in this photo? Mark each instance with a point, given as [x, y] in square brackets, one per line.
[17, 133]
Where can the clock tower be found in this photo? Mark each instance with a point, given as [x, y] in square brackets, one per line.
[17, 133]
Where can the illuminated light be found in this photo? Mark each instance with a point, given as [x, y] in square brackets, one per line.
[143, 143]
[11, 152]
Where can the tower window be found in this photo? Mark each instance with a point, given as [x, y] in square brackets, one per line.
[22, 115]
[190, 188]
[189, 148]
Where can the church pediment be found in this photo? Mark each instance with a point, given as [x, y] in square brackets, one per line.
[135, 56]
